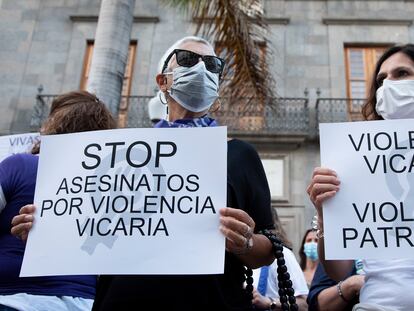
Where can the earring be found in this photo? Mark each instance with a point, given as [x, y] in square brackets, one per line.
[159, 96]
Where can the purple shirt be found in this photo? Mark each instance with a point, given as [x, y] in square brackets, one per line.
[17, 180]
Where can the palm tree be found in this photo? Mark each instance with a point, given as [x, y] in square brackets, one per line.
[237, 27]
[110, 52]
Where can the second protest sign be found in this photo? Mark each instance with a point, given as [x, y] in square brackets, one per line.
[372, 215]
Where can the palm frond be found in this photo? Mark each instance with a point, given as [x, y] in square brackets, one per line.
[238, 28]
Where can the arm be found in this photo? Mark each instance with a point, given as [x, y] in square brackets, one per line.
[329, 298]
[324, 185]
[336, 269]
[7, 179]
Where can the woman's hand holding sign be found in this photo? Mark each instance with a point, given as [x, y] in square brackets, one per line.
[324, 185]
[22, 223]
[238, 228]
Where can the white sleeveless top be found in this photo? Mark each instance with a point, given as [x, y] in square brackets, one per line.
[389, 283]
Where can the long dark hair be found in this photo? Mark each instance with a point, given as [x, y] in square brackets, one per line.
[76, 112]
[368, 109]
[302, 255]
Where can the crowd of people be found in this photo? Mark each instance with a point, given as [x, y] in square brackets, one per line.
[188, 79]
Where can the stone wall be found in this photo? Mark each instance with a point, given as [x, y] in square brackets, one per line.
[44, 41]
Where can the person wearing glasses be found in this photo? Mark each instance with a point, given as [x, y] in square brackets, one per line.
[188, 77]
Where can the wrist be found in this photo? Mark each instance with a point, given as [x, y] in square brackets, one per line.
[317, 225]
[345, 291]
[246, 250]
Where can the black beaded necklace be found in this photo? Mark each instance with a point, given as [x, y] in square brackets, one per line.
[286, 291]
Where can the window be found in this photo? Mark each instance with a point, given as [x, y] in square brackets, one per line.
[128, 74]
[126, 87]
[360, 65]
[276, 167]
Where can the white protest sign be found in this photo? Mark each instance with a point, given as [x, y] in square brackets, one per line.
[19, 143]
[129, 201]
[372, 215]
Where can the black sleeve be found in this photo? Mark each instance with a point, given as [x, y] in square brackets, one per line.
[320, 282]
[247, 184]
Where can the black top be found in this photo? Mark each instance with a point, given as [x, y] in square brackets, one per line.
[247, 189]
[320, 282]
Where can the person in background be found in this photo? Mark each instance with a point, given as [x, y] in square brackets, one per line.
[308, 253]
[266, 292]
[71, 112]
[388, 283]
[326, 294]
[157, 111]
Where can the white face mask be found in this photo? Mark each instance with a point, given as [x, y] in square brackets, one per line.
[194, 88]
[395, 99]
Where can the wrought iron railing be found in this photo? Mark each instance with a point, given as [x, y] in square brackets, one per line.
[137, 111]
[338, 109]
[279, 116]
[287, 116]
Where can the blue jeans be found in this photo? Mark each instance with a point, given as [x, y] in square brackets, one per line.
[6, 308]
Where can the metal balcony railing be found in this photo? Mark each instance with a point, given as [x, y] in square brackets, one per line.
[338, 109]
[281, 116]
[287, 116]
[277, 116]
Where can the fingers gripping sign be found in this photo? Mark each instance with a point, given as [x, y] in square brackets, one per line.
[324, 185]
[238, 228]
[22, 223]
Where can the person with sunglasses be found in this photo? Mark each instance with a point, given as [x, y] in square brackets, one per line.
[188, 78]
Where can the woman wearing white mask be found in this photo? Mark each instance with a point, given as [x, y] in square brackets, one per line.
[188, 78]
[388, 283]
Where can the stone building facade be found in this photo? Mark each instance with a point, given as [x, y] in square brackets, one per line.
[321, 54]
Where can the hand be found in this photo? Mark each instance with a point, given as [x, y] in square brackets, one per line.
[324, 185]
[22, 223]
[259, 301]
[238, 227]
[352, 286]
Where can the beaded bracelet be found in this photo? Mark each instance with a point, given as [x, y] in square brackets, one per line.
[315, 227]
[286, 292]
[341, 294]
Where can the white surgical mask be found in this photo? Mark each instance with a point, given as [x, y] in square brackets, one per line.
[194, 88]
[395, 99]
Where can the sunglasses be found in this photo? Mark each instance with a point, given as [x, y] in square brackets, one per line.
[187, 58]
